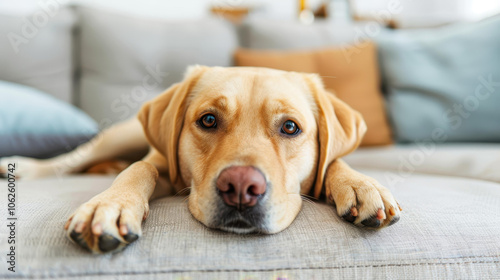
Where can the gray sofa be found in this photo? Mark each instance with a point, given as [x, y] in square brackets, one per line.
[451, 195]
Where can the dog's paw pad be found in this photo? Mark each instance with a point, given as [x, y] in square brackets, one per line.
[130, 237]
[394, 220]
[374, 221]
[78, 239]
[350, 215]
[108, 242]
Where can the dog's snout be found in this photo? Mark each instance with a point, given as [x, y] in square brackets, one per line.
[241, 186]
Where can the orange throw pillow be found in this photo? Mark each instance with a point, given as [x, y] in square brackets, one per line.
[354, 78]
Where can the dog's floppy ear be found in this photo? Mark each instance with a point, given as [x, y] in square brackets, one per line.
[162, 118]
[340, 128]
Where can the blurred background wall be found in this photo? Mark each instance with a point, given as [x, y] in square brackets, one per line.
[415, 13]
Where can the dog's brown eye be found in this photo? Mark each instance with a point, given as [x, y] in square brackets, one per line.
[290, 128]
[208, 121]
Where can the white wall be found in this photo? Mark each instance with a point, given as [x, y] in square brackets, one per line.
[413, 10]
[422, 11]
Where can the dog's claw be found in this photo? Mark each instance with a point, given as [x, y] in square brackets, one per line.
[380, 214]
[392, 212]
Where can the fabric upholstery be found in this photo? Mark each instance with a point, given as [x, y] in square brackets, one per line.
[447, 231]
[36, 49]
[127, 60]
[354, 80]
[443, 84]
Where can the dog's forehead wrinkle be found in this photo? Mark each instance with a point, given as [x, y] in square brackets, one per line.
[251, 89]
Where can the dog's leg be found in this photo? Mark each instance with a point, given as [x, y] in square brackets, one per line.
[360, 199]
[112, 219]
[117, 140]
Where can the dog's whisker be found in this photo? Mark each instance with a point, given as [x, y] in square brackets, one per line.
[181, 192]
[305, 198]
[309, 197]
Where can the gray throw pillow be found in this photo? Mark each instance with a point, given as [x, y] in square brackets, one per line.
[443, 84]
[35, 124]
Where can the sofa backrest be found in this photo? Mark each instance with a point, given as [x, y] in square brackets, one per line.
[126, 60]
[294, 35]
[110, 63]
[36, 49]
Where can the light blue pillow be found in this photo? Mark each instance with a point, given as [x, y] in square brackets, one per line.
[443, 84]
[35, 124]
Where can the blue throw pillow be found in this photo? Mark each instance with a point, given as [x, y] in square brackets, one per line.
[443, 84]
[35, 124]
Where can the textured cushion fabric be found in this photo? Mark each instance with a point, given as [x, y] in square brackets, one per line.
[36, 124]
[293, 35]
[447, 231]
[443, 84]
[127, 60]
[36, 49]
[354, 80]
[477, 161]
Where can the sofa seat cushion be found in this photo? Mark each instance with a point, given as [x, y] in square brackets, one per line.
[477, 161]
[447, 230]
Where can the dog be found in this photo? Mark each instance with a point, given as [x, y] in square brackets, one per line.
[246, 142]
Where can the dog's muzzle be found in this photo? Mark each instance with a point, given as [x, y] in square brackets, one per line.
[241, 188]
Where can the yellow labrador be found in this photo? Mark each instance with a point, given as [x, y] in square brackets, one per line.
[247, 142]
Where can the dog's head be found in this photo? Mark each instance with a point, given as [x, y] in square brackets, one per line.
[248, 141]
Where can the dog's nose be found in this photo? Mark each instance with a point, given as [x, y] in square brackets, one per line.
[241, 186]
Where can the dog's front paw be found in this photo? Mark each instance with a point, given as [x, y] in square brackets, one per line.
[363, 201]
[106, 224]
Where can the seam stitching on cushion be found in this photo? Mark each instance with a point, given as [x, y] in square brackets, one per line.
[52, 276]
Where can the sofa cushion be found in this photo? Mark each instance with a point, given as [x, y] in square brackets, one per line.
[354, 80]
[126, 60]
[447, 230]
[444, 84]
[35, 124]
[36, 48]
[469, 160]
